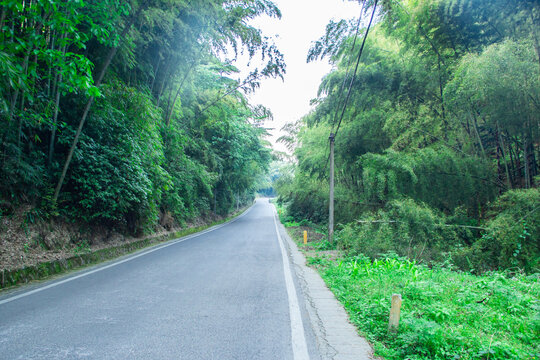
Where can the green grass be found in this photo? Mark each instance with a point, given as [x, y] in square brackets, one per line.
[445, 314]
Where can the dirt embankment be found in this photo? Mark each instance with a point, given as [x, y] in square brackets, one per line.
[25, 241]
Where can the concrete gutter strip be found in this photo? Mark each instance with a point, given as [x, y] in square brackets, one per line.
[337, 338]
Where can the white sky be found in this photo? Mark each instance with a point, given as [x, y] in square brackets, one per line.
[302, 22]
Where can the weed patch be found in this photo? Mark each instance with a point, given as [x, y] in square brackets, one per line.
[445, 314]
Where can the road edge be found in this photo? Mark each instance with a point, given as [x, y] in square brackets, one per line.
[298, 338]
[337, 338]
[67, 274]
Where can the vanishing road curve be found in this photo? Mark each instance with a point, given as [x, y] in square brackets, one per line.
[226, 293]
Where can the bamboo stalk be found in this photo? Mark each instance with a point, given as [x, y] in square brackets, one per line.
[508, 179]
[106, 64]
[2, 17]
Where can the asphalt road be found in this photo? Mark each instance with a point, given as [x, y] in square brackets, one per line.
[224, 294]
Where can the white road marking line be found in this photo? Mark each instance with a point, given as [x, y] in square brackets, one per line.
[188, 237]
[298, 338]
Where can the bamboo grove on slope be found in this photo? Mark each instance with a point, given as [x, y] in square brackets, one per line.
[118, 112]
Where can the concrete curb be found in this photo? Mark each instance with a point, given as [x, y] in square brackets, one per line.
[337, 338]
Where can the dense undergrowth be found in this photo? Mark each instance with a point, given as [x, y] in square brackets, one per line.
[507, 239]
[446, 313]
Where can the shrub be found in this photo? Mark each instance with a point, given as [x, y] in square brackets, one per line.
[511, 239]
[116, 173]
[405, 227]
[309, 200]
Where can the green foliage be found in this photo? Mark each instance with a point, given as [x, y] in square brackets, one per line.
[511, 237]
[478, 83]
[307, 199]
[404, 227]
[442, 119]
[191, 189]
[499, 92]
[117, 173]
[22, 176]
[325, 245]
[437, 176]
[168, 131]
[444, 315]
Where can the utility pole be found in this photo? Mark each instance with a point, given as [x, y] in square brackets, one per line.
[331, 201]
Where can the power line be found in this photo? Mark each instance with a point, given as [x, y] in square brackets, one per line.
[356, 68]
[354, 74]
[350, 61]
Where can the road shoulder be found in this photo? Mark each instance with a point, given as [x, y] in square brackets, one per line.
[336, 337]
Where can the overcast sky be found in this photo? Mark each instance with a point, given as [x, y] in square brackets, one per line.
[302, 22]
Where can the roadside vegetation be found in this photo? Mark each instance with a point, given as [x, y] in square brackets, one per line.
[436, 175]
[445, 314]
[437, 152]
[128, 116]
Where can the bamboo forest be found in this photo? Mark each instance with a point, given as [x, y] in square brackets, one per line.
[436, 153]
[414, 173]
[115, 112]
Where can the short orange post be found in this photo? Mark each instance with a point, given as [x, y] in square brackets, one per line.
[305, 237]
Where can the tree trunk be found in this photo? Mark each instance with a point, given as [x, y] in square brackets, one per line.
[475, 126]
[25, 68]
[526, 167]
[54, 124]
[19, 131]
[16, 95]
[106, 64]
[537, 46]
[155, 76]
[53, 39]
[533, 166]
[169, 99]
[2, 17]
[169, 114]
[536, 25]
[441, 93]
[513, 161]
[57, 91]
[518, 162]
[531, 157]
[162, 87]
[508, 178]
[502, 167]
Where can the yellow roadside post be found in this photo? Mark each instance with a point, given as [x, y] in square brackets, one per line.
[305, 237]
